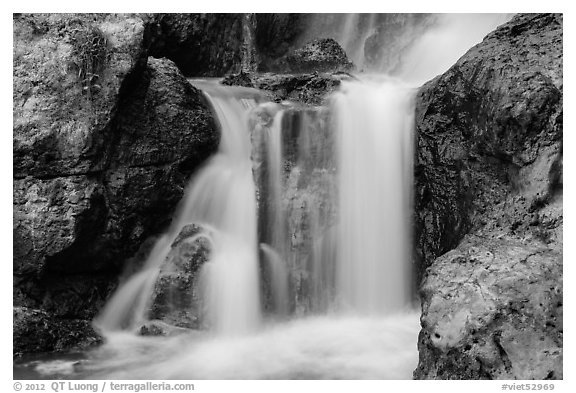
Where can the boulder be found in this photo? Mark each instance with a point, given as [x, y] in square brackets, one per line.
[309, 89]
[241, 79]
[319, 55]
[492, 309]
[36, 331]
[176, 299]
[489, 187]
[488, 128]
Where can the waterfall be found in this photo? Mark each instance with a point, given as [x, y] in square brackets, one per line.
[221, 197]
[374, 123]
[308, 214]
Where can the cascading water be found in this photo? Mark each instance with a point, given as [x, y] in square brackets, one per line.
[221, 197]
[327, 194]
[374, 128]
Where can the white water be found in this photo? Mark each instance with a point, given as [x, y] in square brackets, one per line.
[359, 268]
[222, 197]
[451, 36]
[329, 347]
[374, 129]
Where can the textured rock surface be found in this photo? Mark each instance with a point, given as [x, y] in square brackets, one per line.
[176, 297]
[320, 55]
[489, 163]
[104, 142]
[310, 89]
[276, 35]
[67, 76]
[36, 331]
[493, 310]
[201, 44]
[489, 127]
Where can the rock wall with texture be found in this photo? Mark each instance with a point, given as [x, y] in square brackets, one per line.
[489, 166]
[105, 139]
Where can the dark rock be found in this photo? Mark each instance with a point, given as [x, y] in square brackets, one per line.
[200, 44]
[240, 79]
[36, 331]
[310, 89]
[176, 298]
[100, 165]
[320, 55]
[489, 164]
[276, 35]
[490, 127]
[219, 44]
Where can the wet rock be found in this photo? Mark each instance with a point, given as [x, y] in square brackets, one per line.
[240, 79]
[320, 55]
[304, 211]
[309, 89]
[105, 140]
[489, 188]
[36, 331]
[159, 328]
[176, 297]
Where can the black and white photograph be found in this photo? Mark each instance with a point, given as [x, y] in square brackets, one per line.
[286, 196]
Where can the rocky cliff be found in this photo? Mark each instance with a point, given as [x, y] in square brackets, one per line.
[105, 139]
[489, 186]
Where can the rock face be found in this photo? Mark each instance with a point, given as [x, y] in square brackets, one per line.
[501, 320]
[276, 35]
[489, 164]
[105, 139]
[176, 299]
[37, 331]
[489, 127]
[201, 44]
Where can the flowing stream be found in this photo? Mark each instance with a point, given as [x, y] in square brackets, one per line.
[308, 214]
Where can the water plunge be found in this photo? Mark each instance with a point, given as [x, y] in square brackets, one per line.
[221, 198]
[300, 213]
[374, 130]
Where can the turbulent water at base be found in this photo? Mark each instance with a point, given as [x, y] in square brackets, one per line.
[308, 215]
